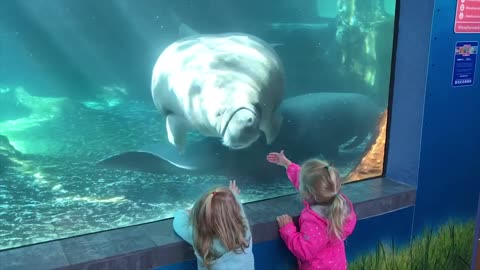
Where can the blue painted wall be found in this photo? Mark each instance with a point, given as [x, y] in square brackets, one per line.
[413, 42]
[477, 235]
[448, 183]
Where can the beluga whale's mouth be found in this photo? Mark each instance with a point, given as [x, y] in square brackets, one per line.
[241, 128]
[225, 127]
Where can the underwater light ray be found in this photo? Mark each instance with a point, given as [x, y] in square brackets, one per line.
[83, 40]
[41, 45]
[150, 28]
[72, 36]
[137, 24]
[124, 47]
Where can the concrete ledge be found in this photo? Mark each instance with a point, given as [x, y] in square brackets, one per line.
[155, 244]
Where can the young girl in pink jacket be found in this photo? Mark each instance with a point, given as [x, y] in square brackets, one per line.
[327, 219]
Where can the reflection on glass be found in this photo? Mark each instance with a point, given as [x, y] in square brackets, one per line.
[84, 146]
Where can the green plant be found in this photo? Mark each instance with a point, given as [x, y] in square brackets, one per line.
[449, 248]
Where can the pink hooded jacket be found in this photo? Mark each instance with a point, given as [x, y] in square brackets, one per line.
[312, 246]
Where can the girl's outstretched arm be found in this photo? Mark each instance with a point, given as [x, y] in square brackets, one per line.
[293, 170]
[293, 173]
[182, 226]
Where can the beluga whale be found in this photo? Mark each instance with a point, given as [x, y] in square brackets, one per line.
[327, 124]
[227, 86]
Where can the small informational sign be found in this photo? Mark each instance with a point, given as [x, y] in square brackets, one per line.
[467, 17]
[464, 63]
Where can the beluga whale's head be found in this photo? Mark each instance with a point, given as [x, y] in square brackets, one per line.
[240, 127]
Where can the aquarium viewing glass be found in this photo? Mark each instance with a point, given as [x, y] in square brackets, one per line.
[83, 148]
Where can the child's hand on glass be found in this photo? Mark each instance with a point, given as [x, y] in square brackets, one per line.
[234, 188]
[279, 159]
[284, 220]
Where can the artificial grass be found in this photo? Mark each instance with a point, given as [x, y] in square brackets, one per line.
[449, 248]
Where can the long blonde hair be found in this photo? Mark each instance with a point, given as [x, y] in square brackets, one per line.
[218, 214]
[320, 185]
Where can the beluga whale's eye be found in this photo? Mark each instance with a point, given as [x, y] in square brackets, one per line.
[219, 112]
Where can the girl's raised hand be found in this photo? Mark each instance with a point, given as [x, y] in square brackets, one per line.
[233, 187]
[279, 159]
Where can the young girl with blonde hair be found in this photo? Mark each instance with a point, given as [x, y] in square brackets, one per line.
[327, 219]
[218, 230]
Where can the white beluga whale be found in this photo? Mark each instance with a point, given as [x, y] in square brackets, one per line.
[226, 85]
[335, 126]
